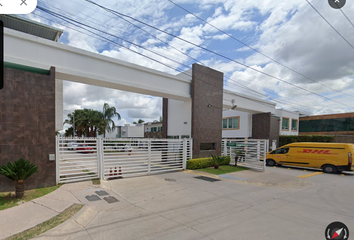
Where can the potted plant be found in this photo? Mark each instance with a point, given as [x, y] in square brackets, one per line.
[217, 160]
[19, 171]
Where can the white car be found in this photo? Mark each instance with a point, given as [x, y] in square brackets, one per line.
[72, 145]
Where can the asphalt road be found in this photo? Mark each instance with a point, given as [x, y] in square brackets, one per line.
[280, 203]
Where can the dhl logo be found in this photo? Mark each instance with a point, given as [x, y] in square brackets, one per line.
[316, 151]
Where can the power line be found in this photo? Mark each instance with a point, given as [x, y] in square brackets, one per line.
[106, 39]
[330, 25]
[208, 50]
[259, 52]
[351, 23]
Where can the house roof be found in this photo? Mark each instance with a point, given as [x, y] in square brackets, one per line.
[31, 27]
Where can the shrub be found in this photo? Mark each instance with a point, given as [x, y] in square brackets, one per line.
[283, 140]
[198, 163]
[19, 171]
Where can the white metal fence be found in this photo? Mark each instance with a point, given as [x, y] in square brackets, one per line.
[246, 152]
[90, 158]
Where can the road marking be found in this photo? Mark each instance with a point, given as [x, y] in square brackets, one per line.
[310, 175]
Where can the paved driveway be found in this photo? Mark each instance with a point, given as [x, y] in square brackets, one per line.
[276, 204]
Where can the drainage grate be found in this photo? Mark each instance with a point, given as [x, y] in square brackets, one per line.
[170, 180]
[207, 179]
[101, 193]
[110, 199]
[92, 198]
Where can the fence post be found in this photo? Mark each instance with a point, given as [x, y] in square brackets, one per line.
[99, 146]
[258, 149]
[149, 155]
[266, 142]
[225, 147]
[57, 172]
[184, 165]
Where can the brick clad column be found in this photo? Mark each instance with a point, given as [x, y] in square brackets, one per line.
[207, 88]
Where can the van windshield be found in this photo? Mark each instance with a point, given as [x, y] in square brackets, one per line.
[281, 151]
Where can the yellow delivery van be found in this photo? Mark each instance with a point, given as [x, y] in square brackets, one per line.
[330, 157]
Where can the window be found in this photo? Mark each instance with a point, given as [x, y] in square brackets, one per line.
[281, 151]
[231, 123]
[293, 124]
[224, 123]
[159, 129]
[327, 125]
[153, 129]
[285, 124]
[184, 136]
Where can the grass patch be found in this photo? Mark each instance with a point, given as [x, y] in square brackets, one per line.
[223, 169]
[96, 181]
[47, 225]
[8, 199]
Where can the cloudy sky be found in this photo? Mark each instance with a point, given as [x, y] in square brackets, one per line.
[281, 51]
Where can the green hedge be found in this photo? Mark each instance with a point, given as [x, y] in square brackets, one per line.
[198, 163]
[283, 140]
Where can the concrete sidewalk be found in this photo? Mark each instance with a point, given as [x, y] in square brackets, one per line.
[241, 205]
[29, 214]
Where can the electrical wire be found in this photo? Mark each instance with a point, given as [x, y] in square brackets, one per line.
[255, 50]
[331, 25]
[213, 52]
[168, 66]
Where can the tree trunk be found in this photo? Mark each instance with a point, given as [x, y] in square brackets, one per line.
[20, 188]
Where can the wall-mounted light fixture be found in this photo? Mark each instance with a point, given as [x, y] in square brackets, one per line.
[185, 122]
[232, 108]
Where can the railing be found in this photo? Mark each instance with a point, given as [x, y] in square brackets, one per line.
[106, 158]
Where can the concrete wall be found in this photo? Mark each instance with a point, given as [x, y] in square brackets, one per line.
[207, 88]
[59, 105]
[133, 131]
[27, 124]
[245, 124]
[291, 115]
[180, 118]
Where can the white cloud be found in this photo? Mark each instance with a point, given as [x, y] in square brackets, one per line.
[290, 32]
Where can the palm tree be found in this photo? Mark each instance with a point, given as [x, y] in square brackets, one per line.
[19, 171]
[139, 122]
[80, 121]
[108, 113]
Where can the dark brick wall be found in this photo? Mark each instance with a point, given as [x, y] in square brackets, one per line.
[207, 88]
[27, 124]
[265, 126]
[261, 125]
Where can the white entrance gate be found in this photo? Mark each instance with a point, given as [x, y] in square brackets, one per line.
[90, 158]
[246, 152]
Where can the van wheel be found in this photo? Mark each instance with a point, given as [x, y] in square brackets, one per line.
[270, 162]
[329, 169]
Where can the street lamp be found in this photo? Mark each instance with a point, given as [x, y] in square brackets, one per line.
[73, 121]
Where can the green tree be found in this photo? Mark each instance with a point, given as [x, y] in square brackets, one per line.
[139, 121]
[108, 113]
[19, 171]
[69, 132]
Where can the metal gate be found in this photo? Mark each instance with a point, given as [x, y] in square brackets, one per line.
[134, 157]
[77, 159]
[249, 153]
[80, 159]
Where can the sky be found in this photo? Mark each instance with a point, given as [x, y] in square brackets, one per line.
[280, 51]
